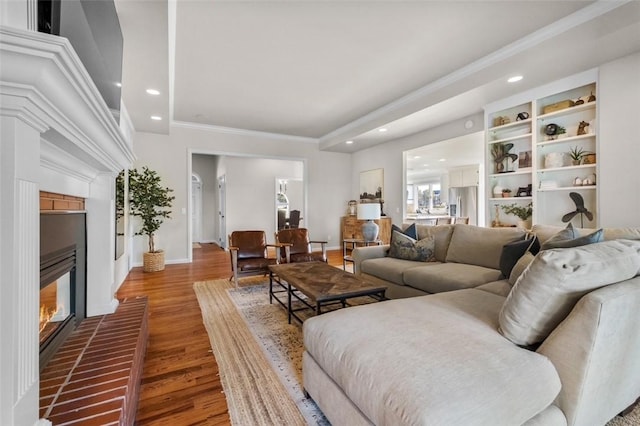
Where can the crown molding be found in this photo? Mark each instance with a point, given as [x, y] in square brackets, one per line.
[372, 120]
[242, 132]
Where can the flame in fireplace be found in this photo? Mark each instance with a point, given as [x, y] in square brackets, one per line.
[46, 313]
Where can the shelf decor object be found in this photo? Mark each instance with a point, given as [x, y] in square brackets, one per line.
[369, 212]
[580, 209]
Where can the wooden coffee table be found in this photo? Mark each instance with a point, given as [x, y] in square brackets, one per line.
[320, 283]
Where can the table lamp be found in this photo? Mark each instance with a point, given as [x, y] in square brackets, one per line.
[369, 212]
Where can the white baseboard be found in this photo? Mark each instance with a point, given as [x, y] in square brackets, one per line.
[166, 262]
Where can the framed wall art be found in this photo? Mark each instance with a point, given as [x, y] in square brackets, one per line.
[371, 185]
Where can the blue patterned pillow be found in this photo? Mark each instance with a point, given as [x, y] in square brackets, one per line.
[407, 248]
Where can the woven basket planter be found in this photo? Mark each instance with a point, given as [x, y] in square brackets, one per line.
[153, 262]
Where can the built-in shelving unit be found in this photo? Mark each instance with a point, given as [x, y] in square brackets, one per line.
[544, 173]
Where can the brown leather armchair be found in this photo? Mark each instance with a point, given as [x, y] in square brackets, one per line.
[296, 246]
[249, 254]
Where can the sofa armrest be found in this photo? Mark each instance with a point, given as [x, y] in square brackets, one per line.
[360, 254]
[595, 351]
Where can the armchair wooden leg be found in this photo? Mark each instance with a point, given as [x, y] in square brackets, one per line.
[234, 266]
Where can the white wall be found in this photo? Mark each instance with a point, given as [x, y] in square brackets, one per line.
[328, 177]
[389, 157]
[251, 202]
[619, 150]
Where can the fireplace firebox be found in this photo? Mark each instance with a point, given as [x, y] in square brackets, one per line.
[62, 278]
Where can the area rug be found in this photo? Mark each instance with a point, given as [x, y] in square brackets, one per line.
[257, 333]
[255, 393]
[196, 245]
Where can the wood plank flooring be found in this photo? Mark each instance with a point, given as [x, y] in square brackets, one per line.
[180, 383]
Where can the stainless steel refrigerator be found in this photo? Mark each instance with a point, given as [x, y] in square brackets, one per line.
[463, 202]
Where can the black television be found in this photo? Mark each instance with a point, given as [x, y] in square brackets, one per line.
[93, 29]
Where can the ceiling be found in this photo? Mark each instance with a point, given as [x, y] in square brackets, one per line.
[334, 71]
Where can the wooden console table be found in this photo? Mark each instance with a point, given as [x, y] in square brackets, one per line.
[351, 228]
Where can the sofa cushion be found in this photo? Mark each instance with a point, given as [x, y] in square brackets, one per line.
[440, 361]
[448, 276]
[500, 287]
[390, 268]
[404, 247]
[441, 234]
[556, 279]
[475, 245]
[569, 237]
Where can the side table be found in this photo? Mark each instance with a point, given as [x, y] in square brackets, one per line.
[349, 244]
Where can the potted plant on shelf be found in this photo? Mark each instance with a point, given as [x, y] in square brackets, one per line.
[151, 202]
[577, 154]
[521, 212]
[506, 193]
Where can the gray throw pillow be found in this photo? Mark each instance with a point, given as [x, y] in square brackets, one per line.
[404, 247]
[568, 237]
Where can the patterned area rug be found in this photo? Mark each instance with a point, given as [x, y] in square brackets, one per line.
[243, 325]
[255, 395]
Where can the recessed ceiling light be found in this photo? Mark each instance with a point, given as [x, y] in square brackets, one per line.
[426, 165]
[118, 84]
[382, 129]
[349, 142]
[514, 78]
[153, 91]
[416, 157]
[156, 117]
[442, 159]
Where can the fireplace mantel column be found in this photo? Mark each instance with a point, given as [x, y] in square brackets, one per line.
[20, 271]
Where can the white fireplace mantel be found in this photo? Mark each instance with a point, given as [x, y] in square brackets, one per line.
[57, 135]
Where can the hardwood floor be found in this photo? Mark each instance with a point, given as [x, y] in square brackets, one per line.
[180, 383]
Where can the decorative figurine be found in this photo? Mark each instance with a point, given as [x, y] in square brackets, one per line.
[582, 128]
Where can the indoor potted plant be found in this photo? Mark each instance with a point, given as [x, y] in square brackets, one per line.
[506, 193]
[577, 154]
[521, 212]
[151, 202]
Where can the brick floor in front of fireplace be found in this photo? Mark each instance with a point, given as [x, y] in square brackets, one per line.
[94, 378]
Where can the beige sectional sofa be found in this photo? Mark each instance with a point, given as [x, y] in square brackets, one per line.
[466, 256]
[450, 359]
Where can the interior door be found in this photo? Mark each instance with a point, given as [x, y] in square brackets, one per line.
[222, 211]
[196, 211]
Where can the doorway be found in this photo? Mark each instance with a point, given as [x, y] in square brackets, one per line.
[196, 212]
[222, 211]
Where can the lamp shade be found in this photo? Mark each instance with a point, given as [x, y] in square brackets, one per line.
[368, 211]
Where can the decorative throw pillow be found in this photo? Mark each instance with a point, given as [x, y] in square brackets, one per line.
[535, 245]
[552, 284]
[512, 252]
[410, 231]
[568, 237]
[520, 266]
[404, 247]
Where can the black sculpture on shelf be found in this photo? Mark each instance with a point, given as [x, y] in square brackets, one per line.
[580, 209]
[500, 153]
